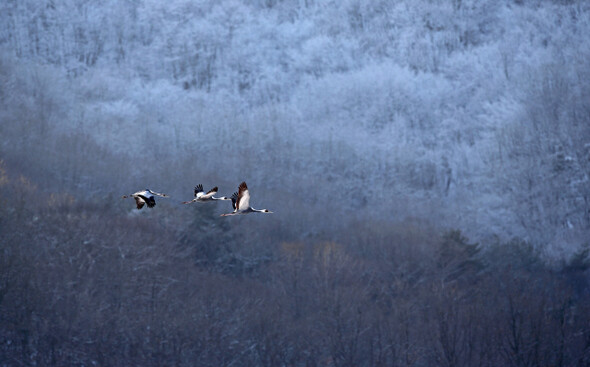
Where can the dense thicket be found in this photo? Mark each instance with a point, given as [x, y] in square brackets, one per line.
[370, 128]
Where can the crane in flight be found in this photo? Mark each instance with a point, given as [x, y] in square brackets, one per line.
[241, 202]
[201, 196]
[145, 197]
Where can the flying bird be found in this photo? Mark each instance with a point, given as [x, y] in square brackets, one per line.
[200, 195]
[241, 202]
[145, 197]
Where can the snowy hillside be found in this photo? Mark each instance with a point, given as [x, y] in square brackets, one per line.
[470, 114]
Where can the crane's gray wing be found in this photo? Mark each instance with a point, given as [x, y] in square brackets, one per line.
[198, 189]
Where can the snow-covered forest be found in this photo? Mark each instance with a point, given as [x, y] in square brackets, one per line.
[412, 152]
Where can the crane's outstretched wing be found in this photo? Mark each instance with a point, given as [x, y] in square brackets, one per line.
[210, 193]
[198, 190]
[234, 199]
[149, 200]
[139, 202]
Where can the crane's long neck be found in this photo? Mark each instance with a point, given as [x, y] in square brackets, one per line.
[221, 198]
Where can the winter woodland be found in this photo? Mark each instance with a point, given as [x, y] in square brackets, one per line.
[427, 163]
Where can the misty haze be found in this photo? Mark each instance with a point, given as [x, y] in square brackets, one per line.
[426, 164]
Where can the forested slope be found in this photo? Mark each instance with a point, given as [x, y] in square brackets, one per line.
[427, 163]
[472, 114]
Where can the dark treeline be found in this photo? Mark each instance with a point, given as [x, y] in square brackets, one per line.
[84, 283]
